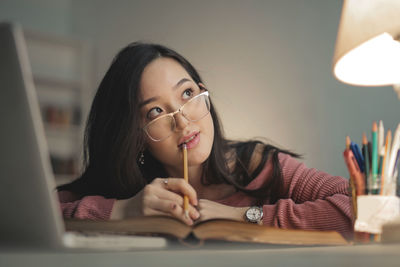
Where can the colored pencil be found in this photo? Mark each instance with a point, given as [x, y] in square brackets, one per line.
[385, 177]
[354, 170]
[347, 155]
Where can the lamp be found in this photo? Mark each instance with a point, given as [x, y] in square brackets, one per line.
[367, 51]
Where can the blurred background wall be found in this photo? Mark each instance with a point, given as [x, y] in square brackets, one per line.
[266, 63]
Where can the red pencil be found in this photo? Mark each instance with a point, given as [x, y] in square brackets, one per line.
[354, 170]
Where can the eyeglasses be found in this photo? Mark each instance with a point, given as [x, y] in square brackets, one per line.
[193, 110]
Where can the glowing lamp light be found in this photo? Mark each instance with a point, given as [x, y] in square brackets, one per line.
[367, 51]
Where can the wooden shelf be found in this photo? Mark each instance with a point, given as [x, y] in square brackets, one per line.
[60, 74]
[62, 129]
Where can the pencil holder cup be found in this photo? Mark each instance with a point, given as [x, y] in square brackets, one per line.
[384, 186]
[373, 211]
[373, 185]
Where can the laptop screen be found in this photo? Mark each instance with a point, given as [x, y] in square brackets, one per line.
[29, 208]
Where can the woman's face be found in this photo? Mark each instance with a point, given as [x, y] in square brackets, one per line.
[165, 86]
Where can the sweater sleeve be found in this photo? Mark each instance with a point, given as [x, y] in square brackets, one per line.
[88, 207]
[314, 200]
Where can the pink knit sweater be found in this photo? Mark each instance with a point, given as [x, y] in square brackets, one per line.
[313, 200]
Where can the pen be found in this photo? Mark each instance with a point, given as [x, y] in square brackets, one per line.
[186, 178]
[366, 161]
[374, 160]
[353, 169]
[396, 165]
[394, 151]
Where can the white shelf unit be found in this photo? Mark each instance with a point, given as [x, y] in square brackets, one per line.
[60, 69]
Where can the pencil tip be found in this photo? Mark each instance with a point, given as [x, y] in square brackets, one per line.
[348, 141]
[364, 139]
[374, 126]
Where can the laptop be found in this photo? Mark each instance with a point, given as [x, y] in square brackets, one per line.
[30, 213]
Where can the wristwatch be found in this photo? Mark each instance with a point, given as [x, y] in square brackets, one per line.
[254, 214]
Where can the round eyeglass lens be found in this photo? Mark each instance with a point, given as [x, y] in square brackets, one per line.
[161, 128]
[197, 108]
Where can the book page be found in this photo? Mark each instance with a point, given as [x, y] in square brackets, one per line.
[146, 225]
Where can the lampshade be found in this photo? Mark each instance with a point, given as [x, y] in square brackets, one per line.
[367, 48]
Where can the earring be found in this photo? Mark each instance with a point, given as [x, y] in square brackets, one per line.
[141, 159]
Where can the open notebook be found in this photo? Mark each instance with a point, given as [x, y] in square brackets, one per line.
[30, 215]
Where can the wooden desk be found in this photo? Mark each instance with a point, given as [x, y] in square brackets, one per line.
[360, 255]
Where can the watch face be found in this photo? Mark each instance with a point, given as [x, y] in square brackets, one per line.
[254, 214]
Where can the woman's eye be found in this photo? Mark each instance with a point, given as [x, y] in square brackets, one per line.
[187, 94]
[154, 112]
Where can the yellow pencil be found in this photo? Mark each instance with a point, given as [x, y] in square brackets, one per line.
[352, 183]
[386, 182]
[186, 177]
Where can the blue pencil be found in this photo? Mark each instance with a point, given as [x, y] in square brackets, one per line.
[357, 154]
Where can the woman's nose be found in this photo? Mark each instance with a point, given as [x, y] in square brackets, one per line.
[181, 121]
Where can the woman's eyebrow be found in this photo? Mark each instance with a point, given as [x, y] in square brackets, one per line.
[147, 101]
[182, 81]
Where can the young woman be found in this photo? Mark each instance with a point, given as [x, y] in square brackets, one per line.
[151, 102]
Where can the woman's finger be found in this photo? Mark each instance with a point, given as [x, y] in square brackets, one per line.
[157, 198]
[168, 197]
[164, 193]
[179, 185]
[168, 207]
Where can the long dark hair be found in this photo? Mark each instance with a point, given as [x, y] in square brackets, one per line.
[113, 140]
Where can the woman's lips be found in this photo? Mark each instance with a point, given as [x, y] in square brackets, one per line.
[190, 140]
[194, 141]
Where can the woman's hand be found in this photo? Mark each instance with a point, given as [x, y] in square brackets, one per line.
[212, 210]
[164, 196]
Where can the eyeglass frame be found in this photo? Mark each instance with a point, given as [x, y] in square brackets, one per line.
[172, 114]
